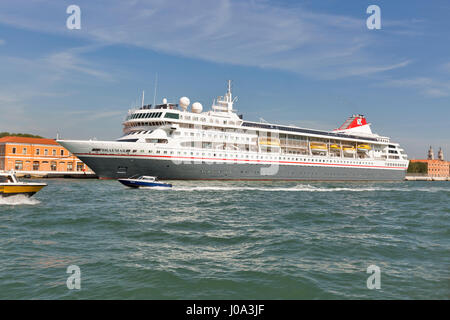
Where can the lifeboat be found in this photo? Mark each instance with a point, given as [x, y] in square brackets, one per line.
[335, 147]
[349, 149]
[364, 148]
[317, 146]
[269, 142]
[10, 186]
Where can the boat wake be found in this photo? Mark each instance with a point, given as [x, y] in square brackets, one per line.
[307, 188]
[18, 200]
[155, 188]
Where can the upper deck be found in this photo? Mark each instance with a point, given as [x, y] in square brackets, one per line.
[146, 118]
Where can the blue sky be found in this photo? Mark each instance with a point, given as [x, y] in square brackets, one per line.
[307, 63]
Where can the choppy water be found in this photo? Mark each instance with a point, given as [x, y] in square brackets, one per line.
[227, 240]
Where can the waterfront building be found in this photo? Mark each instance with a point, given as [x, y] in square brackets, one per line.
[435, 167]
[36, 155]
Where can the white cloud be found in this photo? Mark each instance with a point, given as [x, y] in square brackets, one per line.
[427, 86]
[55, 66]
[89, 115]
[252, 33]
[66, 61]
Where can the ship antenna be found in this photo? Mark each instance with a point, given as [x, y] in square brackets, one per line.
[142, 103]
[154, 95]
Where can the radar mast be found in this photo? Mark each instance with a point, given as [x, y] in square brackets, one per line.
[225, 103]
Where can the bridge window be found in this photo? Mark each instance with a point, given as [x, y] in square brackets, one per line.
[172, 115]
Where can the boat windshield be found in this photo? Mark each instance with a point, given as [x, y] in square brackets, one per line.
[6, 179]
[147, 178]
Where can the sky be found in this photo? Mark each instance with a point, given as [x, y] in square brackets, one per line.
[305, 63]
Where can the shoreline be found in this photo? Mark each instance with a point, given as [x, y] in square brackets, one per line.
[426, 178]
[56, 174]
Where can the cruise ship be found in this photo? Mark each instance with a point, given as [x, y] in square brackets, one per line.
[179, 141]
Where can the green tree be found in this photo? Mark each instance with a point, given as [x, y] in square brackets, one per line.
[27, 135]
[418, 167]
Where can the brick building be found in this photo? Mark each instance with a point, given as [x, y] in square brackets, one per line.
[38, 155]
[436, 168]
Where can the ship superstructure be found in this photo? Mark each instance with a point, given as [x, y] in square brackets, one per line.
[172, 142]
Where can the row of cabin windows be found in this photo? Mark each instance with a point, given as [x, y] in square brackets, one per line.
[18, 165]
[396, 164]
[211, 120]
[38, 151]
[150, 124]
[273, 158]
[215, 136]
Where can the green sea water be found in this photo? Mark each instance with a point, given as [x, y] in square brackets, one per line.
[227, 240]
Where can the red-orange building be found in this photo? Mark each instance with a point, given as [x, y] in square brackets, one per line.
[436, 168]
[37, 155]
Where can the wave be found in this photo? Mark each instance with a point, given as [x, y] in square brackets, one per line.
[18, 200]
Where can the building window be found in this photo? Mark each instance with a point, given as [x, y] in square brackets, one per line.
[24, 151]
[62, 152]
[53, 166]
[54, 152]
[19, 165]
[14, 150]
[45, 152]
[38, 152]
[69, 166]
[80, 166]
[36, 165]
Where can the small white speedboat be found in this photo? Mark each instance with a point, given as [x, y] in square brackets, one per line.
[144, 181]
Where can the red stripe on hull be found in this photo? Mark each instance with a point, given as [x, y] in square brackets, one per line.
[241, 160]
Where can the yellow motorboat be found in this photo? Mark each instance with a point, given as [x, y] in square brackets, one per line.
[10, 186]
